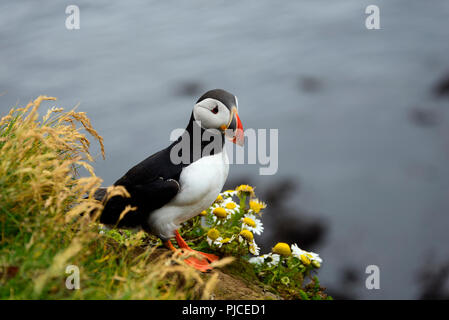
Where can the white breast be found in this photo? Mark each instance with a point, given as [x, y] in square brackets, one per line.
[200, 183]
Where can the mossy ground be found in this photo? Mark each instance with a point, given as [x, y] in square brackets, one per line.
[240, 274]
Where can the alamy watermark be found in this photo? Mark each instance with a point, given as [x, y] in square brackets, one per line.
[72, 21]
[373, 280]
[372, 22]
[261, 147]
[72, 282]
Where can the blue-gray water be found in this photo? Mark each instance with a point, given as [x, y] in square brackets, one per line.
[379, 180]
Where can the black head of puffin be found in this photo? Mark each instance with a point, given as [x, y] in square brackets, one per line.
[218, 109]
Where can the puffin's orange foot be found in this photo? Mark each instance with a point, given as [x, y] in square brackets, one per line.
[182, 244]
[200, 265]
[209, 256]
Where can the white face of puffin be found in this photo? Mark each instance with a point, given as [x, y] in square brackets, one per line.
[212, 114]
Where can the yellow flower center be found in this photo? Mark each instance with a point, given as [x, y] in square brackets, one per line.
[220, 212]
[252, 249]
[305, 259]
[283, 249]
[250, 222]
[203, 213]
[256, 205]
[229, 191]
[230, 205]
[219, 198]
[244, 188]
[213, 234]
[225, 240]
[246, 234]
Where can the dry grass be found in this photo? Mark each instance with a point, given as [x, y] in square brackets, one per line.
[43, 228]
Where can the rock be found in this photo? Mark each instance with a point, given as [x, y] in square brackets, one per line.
[423, 118]
[441, 88]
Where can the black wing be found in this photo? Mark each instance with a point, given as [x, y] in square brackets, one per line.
[152, 183]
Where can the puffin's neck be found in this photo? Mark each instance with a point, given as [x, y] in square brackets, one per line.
[196, 132]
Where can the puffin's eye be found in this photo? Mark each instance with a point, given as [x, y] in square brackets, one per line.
[215, 110]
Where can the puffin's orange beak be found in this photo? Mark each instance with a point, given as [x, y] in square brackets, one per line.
[234, 129]
[239, 137]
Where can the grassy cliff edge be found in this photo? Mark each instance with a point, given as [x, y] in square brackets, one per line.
[45, 233]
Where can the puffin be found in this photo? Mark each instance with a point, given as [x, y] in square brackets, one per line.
[165, 192]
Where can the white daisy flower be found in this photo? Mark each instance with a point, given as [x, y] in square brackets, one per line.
[252, 223]
[218, 212]
[213, 242]
[230, 206]
[306, 257]
[224, 241]
[228, 193]
[316, 257]
[246, 235]
[219, 242]
[213, 236]
[257, 260]
[254, 248]
[272, 259]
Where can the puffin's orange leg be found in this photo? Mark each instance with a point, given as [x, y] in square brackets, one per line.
[201, 265]
[182, 244]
